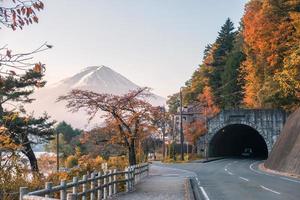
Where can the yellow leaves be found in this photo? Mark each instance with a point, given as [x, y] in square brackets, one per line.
[5, 141]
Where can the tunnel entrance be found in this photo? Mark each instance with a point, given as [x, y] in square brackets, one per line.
[238, 140]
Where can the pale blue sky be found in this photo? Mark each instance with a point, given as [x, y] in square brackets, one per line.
[155, 43]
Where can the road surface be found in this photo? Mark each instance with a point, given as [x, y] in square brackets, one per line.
[240, 179]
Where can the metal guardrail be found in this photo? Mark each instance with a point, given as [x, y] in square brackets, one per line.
[95, 186]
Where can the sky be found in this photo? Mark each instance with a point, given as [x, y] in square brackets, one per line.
[154, 43]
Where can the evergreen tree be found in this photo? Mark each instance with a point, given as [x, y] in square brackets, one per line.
[232, 93]
[223, 47]
[67, 130]
[23, 129]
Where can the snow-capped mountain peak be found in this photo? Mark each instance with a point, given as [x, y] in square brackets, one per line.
[100, 79]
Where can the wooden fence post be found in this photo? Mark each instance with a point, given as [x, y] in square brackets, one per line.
[75, 181]
[110, 183]
[148, 168]
[99, 193]
[63, 192]
[115, 179]
[92, 196]
[71, 196]
[84, 178]
[105, 185]
[48, 186]
[23, 192]
[139, 173]
[127, 179]
[132, 177]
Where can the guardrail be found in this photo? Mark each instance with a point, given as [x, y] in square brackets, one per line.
[97, 185]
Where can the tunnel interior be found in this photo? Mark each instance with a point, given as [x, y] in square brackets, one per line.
[238, 140]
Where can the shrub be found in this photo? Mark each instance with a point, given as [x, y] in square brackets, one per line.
[71, 161]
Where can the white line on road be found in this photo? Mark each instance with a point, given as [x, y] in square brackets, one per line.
[256, 171]
[268, 189]
[288, 179]
[284, 178]
[244, 179]
[204, 193]
[230, 173]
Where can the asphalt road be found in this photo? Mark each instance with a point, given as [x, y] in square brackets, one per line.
[240, 179]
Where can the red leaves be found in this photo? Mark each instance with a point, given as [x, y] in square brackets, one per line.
[38, 67]
[21, 13]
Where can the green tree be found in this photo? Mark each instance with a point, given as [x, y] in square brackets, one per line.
[173, 103]
[222, 49]
[67, 130]
[232, 91]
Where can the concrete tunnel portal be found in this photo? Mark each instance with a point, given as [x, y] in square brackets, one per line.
[236, 139]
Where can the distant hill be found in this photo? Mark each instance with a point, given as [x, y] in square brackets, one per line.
[285, 155]
[99, 79]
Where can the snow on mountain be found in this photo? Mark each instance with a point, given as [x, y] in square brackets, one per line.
[99, 79]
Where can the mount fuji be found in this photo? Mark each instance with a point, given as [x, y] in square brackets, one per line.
[100, 79]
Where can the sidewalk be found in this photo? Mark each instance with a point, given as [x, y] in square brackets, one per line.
[163, 183]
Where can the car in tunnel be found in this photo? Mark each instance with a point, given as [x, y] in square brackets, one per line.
[247, 152]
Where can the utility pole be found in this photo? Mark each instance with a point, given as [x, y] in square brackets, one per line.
[164, 132]
[57, 152]
[181, 128]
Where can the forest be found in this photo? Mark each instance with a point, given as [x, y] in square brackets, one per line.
[256, 65]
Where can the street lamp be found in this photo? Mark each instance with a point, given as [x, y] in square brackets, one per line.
[181, 128]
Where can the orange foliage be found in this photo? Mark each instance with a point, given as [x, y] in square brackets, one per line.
[194, 130]
[206, 99]
[267, 38]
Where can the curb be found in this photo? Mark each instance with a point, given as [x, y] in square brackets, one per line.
[189, 193]
[194, 189]
[208, 160]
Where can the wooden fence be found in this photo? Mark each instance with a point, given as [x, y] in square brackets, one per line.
[95, 186]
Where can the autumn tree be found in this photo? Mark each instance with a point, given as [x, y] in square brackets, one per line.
[193, 131]
[102, 141]
[271, 48]
[206, 100]
[19, 76]
[162, 121]
[128, 113]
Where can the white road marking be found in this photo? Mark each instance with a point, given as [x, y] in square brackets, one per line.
[268, 189]
[230, 173]
[204, 193]
[244, 179]
[284, 178]
[288, 179]
[171, 175]
[256, 171]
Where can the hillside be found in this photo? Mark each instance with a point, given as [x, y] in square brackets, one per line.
[285, 156]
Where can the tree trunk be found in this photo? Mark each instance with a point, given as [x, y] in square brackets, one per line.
[164, 145]
[193, 149]
[31, 156]
[131, 153]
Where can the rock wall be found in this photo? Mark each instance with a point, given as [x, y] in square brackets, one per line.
[285, 155]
